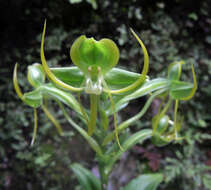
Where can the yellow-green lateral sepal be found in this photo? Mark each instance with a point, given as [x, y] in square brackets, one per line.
[87, 52]
[36, 75]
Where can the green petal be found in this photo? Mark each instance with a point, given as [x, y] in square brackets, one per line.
[49, 73]
[15, 82]
[174, 70]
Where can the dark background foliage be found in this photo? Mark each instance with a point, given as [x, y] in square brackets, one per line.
[172, 30]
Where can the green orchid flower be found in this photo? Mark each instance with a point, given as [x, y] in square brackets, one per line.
[36, 78]
[178, 90]
[95, 60]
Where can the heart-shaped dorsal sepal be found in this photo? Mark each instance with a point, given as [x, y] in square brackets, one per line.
[89, 55]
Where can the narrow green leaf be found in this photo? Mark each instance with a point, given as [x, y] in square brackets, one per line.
[145, 182]
[86, 179]
[138, 137]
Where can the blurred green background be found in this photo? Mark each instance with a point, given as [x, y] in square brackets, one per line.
[171, 30]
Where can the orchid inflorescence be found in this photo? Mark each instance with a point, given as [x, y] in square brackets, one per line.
[110, 89]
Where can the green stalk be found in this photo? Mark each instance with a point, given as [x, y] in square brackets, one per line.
[103, 175]
[175, 118]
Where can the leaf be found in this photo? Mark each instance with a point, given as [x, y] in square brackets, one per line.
[145, 182]
[86, 179]
[138, 137]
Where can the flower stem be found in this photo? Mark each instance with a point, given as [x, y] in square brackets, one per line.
[103, 175]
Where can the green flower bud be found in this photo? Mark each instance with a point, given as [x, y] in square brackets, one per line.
[36, 75]
[174, 70]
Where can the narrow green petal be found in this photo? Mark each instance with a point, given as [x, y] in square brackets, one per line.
[15, 83]
[49, 72]
[194, 86]
[53, 120]
[35, 127]
[114, 115]
[174, 70]
[144, 71]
